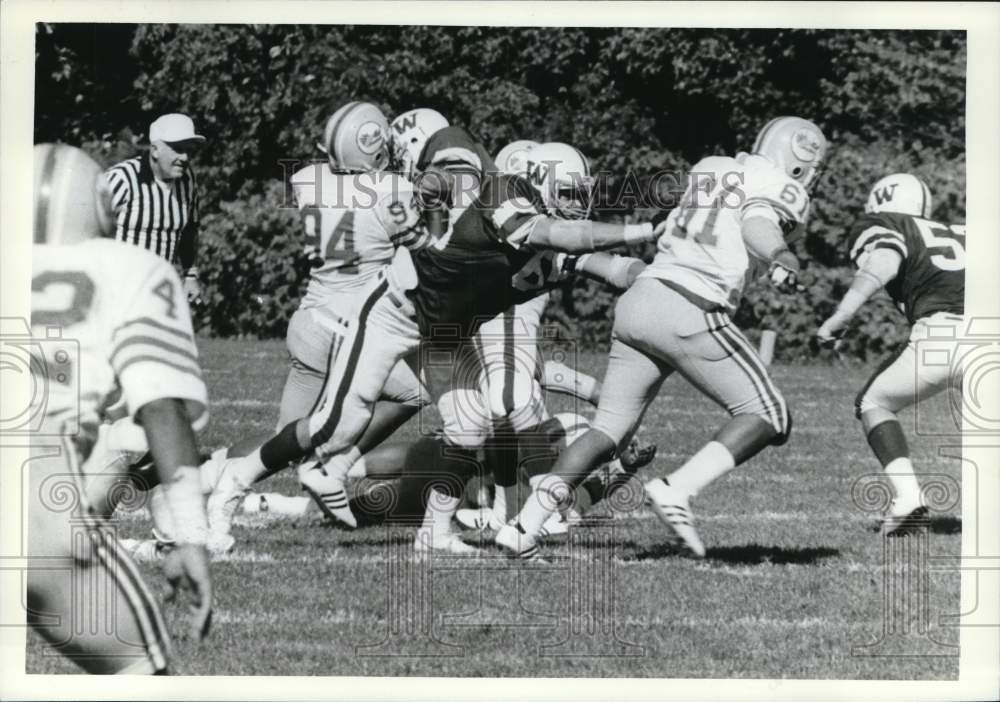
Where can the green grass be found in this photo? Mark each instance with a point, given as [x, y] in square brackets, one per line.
[792, 584]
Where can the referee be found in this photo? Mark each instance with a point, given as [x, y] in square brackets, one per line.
[155, 197]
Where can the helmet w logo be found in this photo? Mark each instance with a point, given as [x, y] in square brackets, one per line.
[884, 195]
[537, 172]
[405, 124]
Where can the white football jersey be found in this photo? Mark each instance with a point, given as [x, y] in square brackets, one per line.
[110, 324]
[353, 222]
[702, 249]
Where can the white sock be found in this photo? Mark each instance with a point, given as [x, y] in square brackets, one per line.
[339, 465]
[712, 462]
[246, 470]
[359, 469]
[541, 503]
[904, 482]
[440, 509]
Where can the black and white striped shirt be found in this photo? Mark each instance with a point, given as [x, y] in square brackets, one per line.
[150, 213]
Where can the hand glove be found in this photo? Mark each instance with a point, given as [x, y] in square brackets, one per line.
[192, 287]
[784, 273]
[829, 337]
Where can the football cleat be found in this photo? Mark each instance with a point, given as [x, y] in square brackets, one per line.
[517, 544]
[902, 193]
[144, 550]
[426, 542]
[903, 517]
[328, 492]
[555, 525]
[479, 519]
[671, 507]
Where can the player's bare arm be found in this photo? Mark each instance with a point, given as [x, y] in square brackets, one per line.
[174, 449]
[877, 268]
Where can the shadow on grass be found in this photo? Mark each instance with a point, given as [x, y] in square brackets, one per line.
[750, 554]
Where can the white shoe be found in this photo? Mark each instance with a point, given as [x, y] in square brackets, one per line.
[225, 499]
[518, 544]
[671, 506]
[479, 519]
[556, 525]
[903, 516]
[426, 542]
[328, 492]
[143, 550]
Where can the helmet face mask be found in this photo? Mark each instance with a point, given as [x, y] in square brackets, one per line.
[72, 197]
[409, 134]
[900, 193]
[356, 138]
[794, 145]
[561, 175]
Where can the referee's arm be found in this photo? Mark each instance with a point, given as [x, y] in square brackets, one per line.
[187, 247]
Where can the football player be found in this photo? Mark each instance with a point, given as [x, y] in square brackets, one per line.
[509, 342]
[354, 215]
[109, 321]
[433, 301]
[734, 210]
[921, 265]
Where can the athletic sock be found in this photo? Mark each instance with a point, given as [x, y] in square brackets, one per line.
[904, 482]
[339, 465]
[710, 463]
[359, 468]
[281, 449]
[541, 503]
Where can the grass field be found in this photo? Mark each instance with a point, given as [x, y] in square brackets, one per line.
[794, 583]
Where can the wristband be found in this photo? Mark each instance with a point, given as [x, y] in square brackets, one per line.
[638, 232]
[187, 506]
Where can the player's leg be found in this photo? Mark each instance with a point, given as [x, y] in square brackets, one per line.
[85, 596]
[560, 378]
[712, 354]
[453, 367]
[632, 380]
[899, 382]
[313, 339]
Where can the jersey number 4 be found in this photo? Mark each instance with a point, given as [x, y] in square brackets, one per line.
[945, 244]
[339, 249]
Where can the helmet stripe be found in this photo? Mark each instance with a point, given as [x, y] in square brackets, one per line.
[44, 195]
[332, 146]
[762, 137]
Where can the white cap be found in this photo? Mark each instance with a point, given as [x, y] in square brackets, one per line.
[173, 128]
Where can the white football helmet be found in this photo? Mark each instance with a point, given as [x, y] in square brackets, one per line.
[356, 138]
[902, 193]
[72, 196]
[795, 145]
[513, 158]
[409, 134]
[561, 174]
